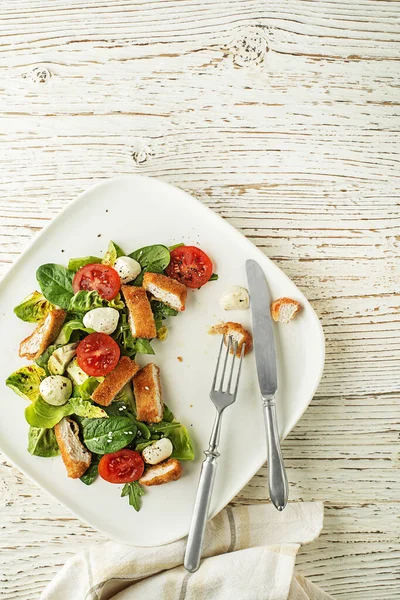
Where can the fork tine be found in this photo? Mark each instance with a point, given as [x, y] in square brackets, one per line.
[228, 348]
[235, 345]
[217, 367]
[239, 369]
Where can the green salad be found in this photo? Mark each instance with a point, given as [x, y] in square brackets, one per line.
[88, 397]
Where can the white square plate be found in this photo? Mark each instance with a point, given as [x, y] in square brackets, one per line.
[136, 211]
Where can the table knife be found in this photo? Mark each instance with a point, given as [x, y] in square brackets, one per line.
[264, 349]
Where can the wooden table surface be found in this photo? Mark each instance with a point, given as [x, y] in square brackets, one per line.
[281, 117]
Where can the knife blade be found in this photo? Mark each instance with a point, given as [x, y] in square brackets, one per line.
[264, 348]
[263, 332]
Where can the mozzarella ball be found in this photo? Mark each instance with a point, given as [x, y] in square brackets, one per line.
[102, 320]
[127, 268]
[157, 452]
[235, 298]
[55, 389]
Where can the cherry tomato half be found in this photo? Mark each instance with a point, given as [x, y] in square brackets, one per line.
[121, 467]
[190, 265]
[97, 354]
[102, 278]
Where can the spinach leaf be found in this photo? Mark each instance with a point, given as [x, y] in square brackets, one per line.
[102, 436]
[167, 416]
[43, 415]
[143, 430]
[85, 408]
[151, 258]
[77, 263]
[113, 252]
[56, 284]
[142, 445]
[125, 396]
[119, 409]
[85, 300]
[25, 381]
[42, 442]
[134, 491]
[162, 311]
[33, 308]
[125, 409]
[183, 447]
[141, 346]
[68, 328]
[92, 472]
[128, 344]
[213, 277]
[163, 427]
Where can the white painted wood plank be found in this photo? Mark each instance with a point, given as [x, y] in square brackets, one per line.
[282, 118]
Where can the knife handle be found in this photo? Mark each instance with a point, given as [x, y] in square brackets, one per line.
[277, 480]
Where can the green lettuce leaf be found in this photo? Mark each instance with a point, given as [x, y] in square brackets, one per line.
[84, 300]
[43, 360]
[56, 284]
[183, 446]
[86, 389]
[42, 442]
[26, 380]
[84, 408]
[77, 263]
[68, 329]
[113, 252]
[43, 415]
[33, 308]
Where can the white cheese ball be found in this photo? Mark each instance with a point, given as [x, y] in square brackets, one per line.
[157, 452]
[235, 298]
[55, 389]
[127, 268]
[102, 320]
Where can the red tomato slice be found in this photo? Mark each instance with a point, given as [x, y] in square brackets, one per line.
[190, 265]
[121, 467]
[97, 354]
[102, 278]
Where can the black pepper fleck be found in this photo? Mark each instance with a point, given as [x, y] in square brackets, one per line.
[99, 235]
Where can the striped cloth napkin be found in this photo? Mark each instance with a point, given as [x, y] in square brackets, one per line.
[249, 553]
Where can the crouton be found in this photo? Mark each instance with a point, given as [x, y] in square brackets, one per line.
[284, 310]
[169, 470]
[147, 388]
[141, 318]
[167, 290]
[238, 333]
[45, 333]
[75, 456]
[113, 383]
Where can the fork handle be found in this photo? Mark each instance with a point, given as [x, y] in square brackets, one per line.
[200, 511]
[277, 480]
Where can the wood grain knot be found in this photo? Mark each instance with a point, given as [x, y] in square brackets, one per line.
[39, 74]
[141, 153]
[250, 46]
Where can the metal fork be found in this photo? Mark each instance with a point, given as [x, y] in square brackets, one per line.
[221, 400]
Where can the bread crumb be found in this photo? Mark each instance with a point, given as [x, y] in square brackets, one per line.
[284, 310]
[238, 333]
[180, 358]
